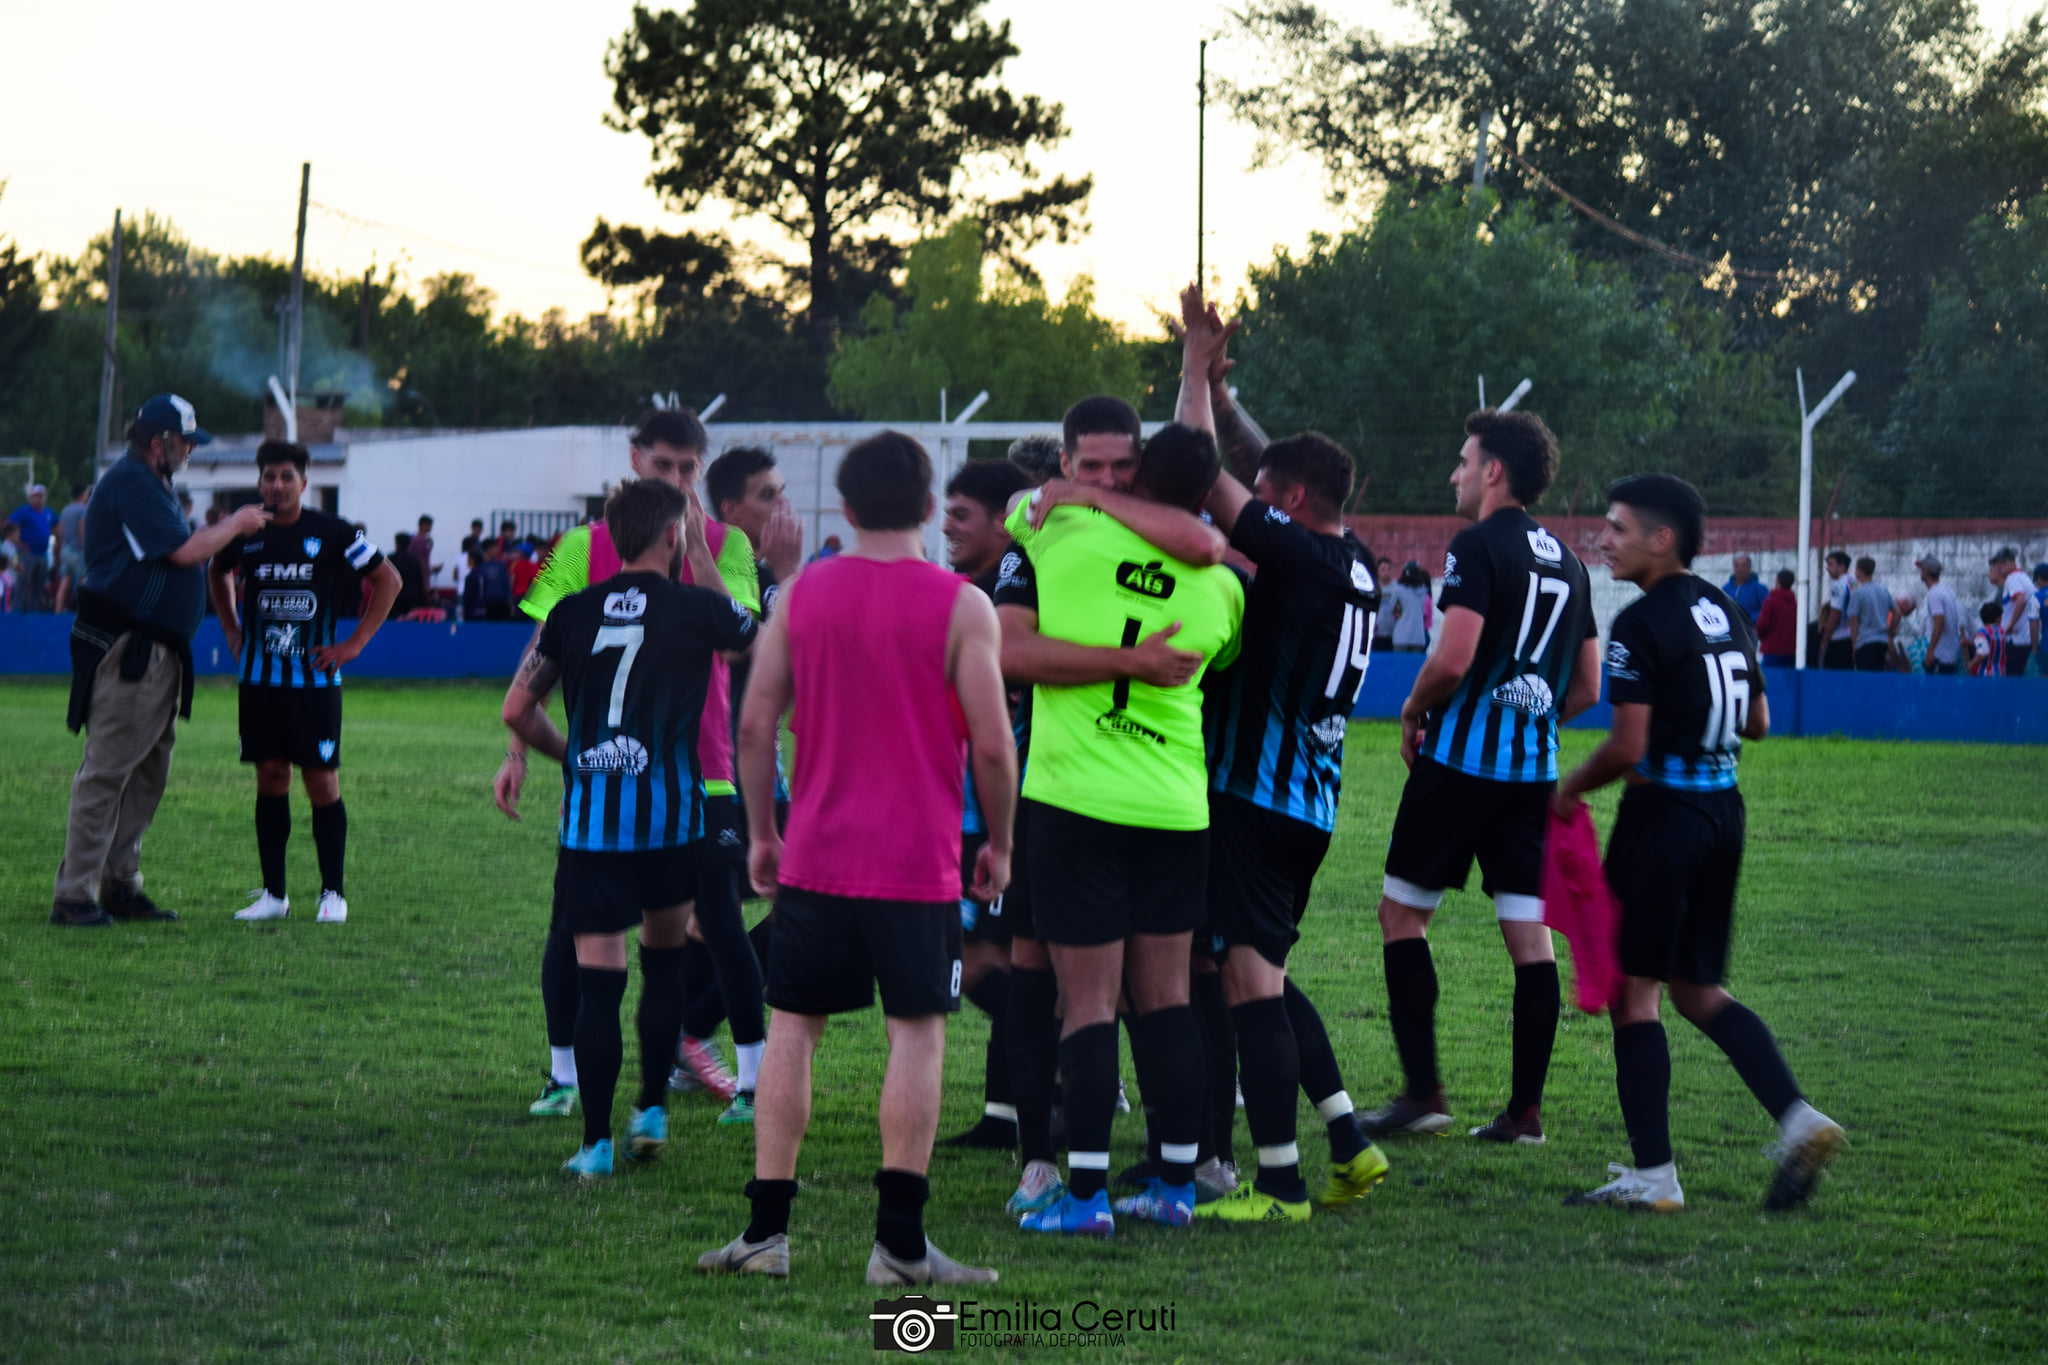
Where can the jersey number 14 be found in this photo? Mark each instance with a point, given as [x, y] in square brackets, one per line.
[1354, 650]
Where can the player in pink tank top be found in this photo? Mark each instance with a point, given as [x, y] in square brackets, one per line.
[892, 667]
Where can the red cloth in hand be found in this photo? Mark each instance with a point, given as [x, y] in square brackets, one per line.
[1578, 904]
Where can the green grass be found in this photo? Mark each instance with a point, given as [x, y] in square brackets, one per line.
[311, 1142]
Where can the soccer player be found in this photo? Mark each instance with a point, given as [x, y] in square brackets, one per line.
[1118, 811]
[635, 654]
[668, 446]
[1517, 656]
[1683, 675]
[977, 499]
[288, 575]
[891, 668]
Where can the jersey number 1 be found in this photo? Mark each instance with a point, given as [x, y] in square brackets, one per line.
[628, 638]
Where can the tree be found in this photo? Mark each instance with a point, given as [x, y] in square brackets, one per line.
[825, 116]
[967, 324]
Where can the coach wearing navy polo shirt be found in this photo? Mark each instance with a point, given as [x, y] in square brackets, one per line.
[131, 661]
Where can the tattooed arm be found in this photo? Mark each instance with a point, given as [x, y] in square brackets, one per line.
[525, 711]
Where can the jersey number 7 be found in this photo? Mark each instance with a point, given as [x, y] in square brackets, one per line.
[628, 638]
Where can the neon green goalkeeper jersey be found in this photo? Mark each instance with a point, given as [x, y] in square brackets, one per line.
[1125, 752]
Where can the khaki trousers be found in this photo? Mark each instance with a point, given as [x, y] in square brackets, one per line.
[128, 739]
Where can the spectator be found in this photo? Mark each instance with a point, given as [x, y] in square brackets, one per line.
[32, 567]
[473, 541]
[492, 583]
[508, 533]
[473, 586]
[185, 507]
[1987, 646]
[69, 551]
[423, 548]
[830, 547]
[1744, 587]
[1834, 617]
[131, 659]
[412, 584]
[10, 555]
[524, 569]
[2020, 613]
[2040, 613]
[1777, 624]
[1412, 610]
[1383, 624]
[1871, 618]
[1944, 620]
[213, 514]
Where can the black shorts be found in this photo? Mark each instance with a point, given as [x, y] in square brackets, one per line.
[1839, 654]
[725, 834]
[1261, 867]
[1672, 863]
[1448, 818]
[604, 893]
[1094, 882]
[1018, 920]
[302, 724]
[1873, 658]
[829, 953]
[979, 923]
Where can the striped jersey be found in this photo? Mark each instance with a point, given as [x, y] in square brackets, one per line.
[1501, 723]
[635, 655]
[1689, 653]
[1276, 728]
[290, 579]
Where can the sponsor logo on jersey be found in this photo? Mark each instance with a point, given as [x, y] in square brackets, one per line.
[1712, 621]
[739, 609]
[1328, 732]
[1118, 725]
[250, 547]
[1544, 546]
[284, 573]
[312, 544]
[1528, 694]
[286, 604]
[282, 639]
[1619, 665]
[629, 605]
[1275, 514]
[1147, 580]
[1010, 573]
[1361, 578]
[1451, 579]
[327, 750]
[619, 754]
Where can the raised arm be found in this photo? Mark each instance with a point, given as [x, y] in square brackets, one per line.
[206, 542]
[1030, 657]
[1169, 530]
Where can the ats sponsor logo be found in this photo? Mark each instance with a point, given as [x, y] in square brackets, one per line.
[1146, 580]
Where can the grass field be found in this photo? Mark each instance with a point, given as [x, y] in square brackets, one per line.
[311, 1143]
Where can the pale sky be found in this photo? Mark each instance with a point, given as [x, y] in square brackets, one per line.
[473, 136]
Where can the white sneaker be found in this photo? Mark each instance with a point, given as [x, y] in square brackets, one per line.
[333, 909]
[1655, 1191]
[263, 905]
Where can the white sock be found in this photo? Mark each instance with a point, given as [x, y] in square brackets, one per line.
[749, 1058]
[562, 1065]
[1800, 1121]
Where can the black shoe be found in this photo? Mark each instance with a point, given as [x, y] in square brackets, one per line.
[1134, 1177]
[991, 1134]
[126, 904]
[80, 915]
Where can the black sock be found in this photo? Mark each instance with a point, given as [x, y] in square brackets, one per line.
[1411, 1009]
[330, 841]
[1033, 1036]
[771, 1200]
[899, 1215]
[1535, 1033]
[706, 1007]
[1747, 1040]
[1172, 1040]
[1320, 1079]
[991, 995]
[732, 956]
[273, 832]
[600, 1047]
[1269, 1064]
[1642, 1079]
[559, 987]
[1088, 1080]
[1219, 1065]
[659, 1020]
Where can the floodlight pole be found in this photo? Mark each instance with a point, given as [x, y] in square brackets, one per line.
[1521, 392]
[100, 440]
[1201, 148]
[292, 351]
[1479, 152]
[713, 406]
[1807, 422]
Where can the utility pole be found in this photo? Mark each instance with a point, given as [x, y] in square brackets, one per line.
[1479, 155]
[1201, 152]
[99, 437]
[292, 351]
[1807, 422]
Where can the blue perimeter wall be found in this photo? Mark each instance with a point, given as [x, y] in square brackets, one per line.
[1855, 705]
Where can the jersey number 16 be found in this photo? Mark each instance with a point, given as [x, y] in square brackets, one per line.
[1728, 711]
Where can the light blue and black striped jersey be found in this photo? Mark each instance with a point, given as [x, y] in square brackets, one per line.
[1275, 718]
[1501, 723]
[635, 657]
[289, 578]
[1685, 650]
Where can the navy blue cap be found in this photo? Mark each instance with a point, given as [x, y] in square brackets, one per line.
[169, 413]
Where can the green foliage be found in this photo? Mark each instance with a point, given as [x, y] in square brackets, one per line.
[967, 324]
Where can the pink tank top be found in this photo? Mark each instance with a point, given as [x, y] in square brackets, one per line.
[714, 731]
[881, 744]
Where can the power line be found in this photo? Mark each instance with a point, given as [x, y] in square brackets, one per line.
[360, 221]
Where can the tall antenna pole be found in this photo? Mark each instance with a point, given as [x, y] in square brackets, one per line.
[291, 362]
[99, 438]
[1201, 148]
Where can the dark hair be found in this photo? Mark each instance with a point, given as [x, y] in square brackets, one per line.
[726, 478]
[141, 433]
[1665, 500]
[1179, 466]
[401, 540]
[1840, 557]
[1866, 565]
[1413, 575]
[674, 427]
[508, 522]
[1101, 414]
[1313, 461]
[1523, 446]
[1786, 578]
[282, 452]
[426, 520]
[477, 522]
[1989, 613]
[1037, 455]
[992, 483]
[78, 489]
[639, 512]
[886, 481]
